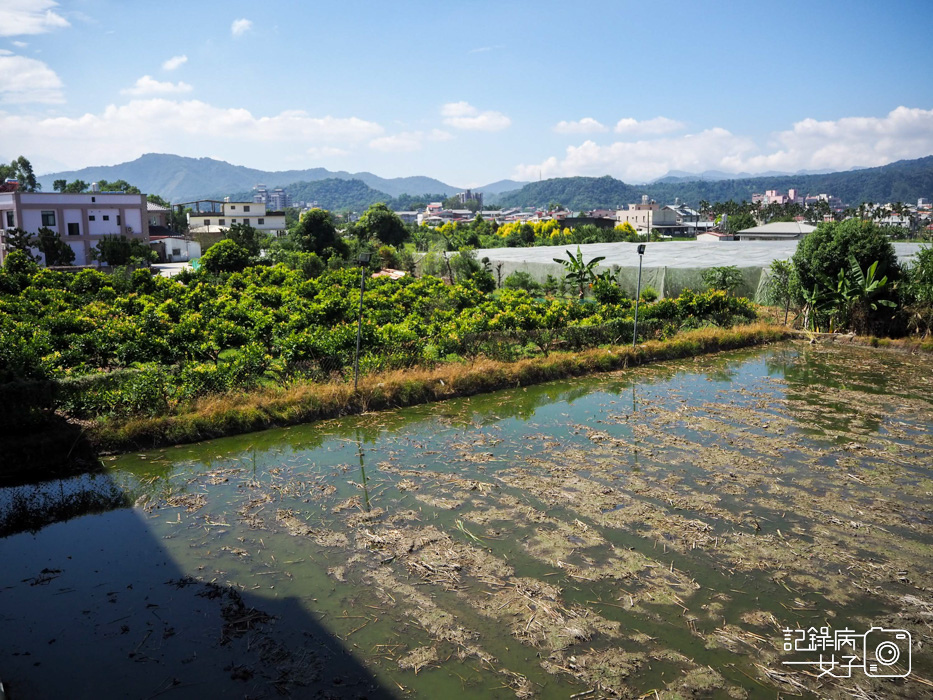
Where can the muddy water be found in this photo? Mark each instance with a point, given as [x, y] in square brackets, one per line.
[649, 532]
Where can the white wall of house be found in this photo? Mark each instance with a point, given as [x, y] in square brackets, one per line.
[80, 219]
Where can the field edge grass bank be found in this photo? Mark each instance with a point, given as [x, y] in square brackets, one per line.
[234, 414]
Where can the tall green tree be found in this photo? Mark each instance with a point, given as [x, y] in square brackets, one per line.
[120, 250]
[118, 186]
[381, 223]
[56, 251]
[75, 187]
[250, 239]
[18, 239]
[21, 170]
[822, 254]
[316, 233]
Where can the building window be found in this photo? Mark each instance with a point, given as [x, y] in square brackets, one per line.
[118, 220]
[260, 221]
[73, 230]
[91, 217]
[232, 221]
[93, 199]
[48, 218]
[246, 207]
[106, 217]
[246, 221]
[9, 219]
[207, 222]
[233, 206]
[222, 222]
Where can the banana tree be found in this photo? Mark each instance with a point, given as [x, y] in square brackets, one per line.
[578, 272]
[859, 291]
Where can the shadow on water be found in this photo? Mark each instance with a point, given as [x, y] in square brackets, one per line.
[99, 608]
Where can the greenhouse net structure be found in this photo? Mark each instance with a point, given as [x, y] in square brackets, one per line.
[668, 266]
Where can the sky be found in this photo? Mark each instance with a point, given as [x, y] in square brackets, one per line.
[469, 92]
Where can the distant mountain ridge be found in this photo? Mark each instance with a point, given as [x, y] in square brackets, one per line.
[179, 178]
[903, 181]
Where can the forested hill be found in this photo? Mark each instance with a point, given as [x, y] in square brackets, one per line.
[903, 181]
[178, 178]
[339, 195]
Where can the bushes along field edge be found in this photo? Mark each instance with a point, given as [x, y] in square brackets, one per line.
[234, 414]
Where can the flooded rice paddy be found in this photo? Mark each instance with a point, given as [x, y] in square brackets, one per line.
[650, 533]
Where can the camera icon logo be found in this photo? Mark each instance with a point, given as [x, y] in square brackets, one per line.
[887, 653]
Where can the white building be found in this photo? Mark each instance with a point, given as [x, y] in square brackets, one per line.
[80, 219]
[210, 216]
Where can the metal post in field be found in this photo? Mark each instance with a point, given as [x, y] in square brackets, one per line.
[363, 260]
[641, 252]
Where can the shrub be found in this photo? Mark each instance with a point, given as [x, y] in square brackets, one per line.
[521, 280]
[726, 278]
[649, 294]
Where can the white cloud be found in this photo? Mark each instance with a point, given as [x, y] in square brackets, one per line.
[163, 125]
[28, 80]
[147, 85]
[407, 141]
[809, 145]
[239, 27]
[848, 142]
[587, 125]
[20, 44]
[19, 17]
[174, 62]
[463, 115]
[649, 127]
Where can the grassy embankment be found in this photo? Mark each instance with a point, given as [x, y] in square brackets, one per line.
[238, 413]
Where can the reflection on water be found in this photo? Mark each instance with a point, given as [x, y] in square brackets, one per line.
[649, 530]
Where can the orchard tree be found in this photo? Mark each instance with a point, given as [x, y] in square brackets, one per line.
[225, 256]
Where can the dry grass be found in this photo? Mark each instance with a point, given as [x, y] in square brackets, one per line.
[233, 414]
[911, 344]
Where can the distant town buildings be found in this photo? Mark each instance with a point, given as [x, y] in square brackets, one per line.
[794, 196]
[471, 196]
[276, 200]
[672, 219]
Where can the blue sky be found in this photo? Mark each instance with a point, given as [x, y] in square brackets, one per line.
[469, 92]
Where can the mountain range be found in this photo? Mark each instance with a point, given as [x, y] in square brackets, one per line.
[903, 181]
[180, 179]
